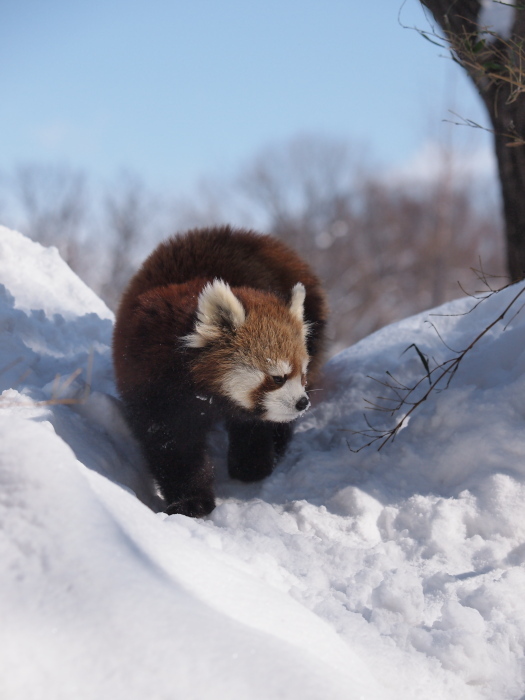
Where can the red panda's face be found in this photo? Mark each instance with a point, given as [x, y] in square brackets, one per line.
[254, 350]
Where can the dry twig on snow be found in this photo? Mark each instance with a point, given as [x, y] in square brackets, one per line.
[404, 400]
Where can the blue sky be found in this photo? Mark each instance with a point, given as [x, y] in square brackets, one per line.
[176, 90]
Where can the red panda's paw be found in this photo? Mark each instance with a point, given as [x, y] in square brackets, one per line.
[192, 506]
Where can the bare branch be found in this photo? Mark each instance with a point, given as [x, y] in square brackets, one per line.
[442, 375]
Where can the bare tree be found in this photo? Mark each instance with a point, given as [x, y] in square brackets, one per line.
[301, 180]
[51, 206]
[496, 64]
[384, 250]
[101, 239]
[130, 213]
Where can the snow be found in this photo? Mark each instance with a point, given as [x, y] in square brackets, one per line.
[22, 259]
[396, 574]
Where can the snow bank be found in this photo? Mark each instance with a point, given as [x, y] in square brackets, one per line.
[29, 271]
[394, 574]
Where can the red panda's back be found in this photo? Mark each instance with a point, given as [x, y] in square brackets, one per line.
[241, 258]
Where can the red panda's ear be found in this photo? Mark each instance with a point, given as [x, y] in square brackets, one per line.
[297, 301]
[218, 307]
[296, 307]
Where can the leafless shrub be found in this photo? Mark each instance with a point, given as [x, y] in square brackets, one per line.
[401, 401]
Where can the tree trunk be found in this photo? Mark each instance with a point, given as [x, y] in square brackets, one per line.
[511, 166]
[494, 69]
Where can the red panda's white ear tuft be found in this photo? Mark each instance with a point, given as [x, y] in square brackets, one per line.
[297, 302]
[296, 307]
[218, 307]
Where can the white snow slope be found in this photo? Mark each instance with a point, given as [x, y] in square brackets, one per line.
[397, 574]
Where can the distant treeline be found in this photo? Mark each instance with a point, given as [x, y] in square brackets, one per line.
[385, 248]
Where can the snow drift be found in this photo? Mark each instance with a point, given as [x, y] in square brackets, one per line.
[392, 574]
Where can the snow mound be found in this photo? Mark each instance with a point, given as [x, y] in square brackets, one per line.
[31, 271]
[392, 575]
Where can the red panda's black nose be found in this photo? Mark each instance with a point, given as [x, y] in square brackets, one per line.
[302, 404]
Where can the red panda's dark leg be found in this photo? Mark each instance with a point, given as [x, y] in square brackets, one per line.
[282, 434]
[185, 479]
[174, 445]
[251, 452]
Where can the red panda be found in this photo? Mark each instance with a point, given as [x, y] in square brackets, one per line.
[217, 324]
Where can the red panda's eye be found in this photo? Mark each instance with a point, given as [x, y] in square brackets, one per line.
[280, 380]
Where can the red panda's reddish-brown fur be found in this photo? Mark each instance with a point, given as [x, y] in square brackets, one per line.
[201, 331]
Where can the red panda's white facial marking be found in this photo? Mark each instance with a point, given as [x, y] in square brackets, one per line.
[286, 403]
[279, 368]
[239, 384]
[280, 398]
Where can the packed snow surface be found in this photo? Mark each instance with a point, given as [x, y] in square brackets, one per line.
[395, 574]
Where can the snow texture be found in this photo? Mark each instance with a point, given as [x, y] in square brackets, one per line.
[391, 575]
